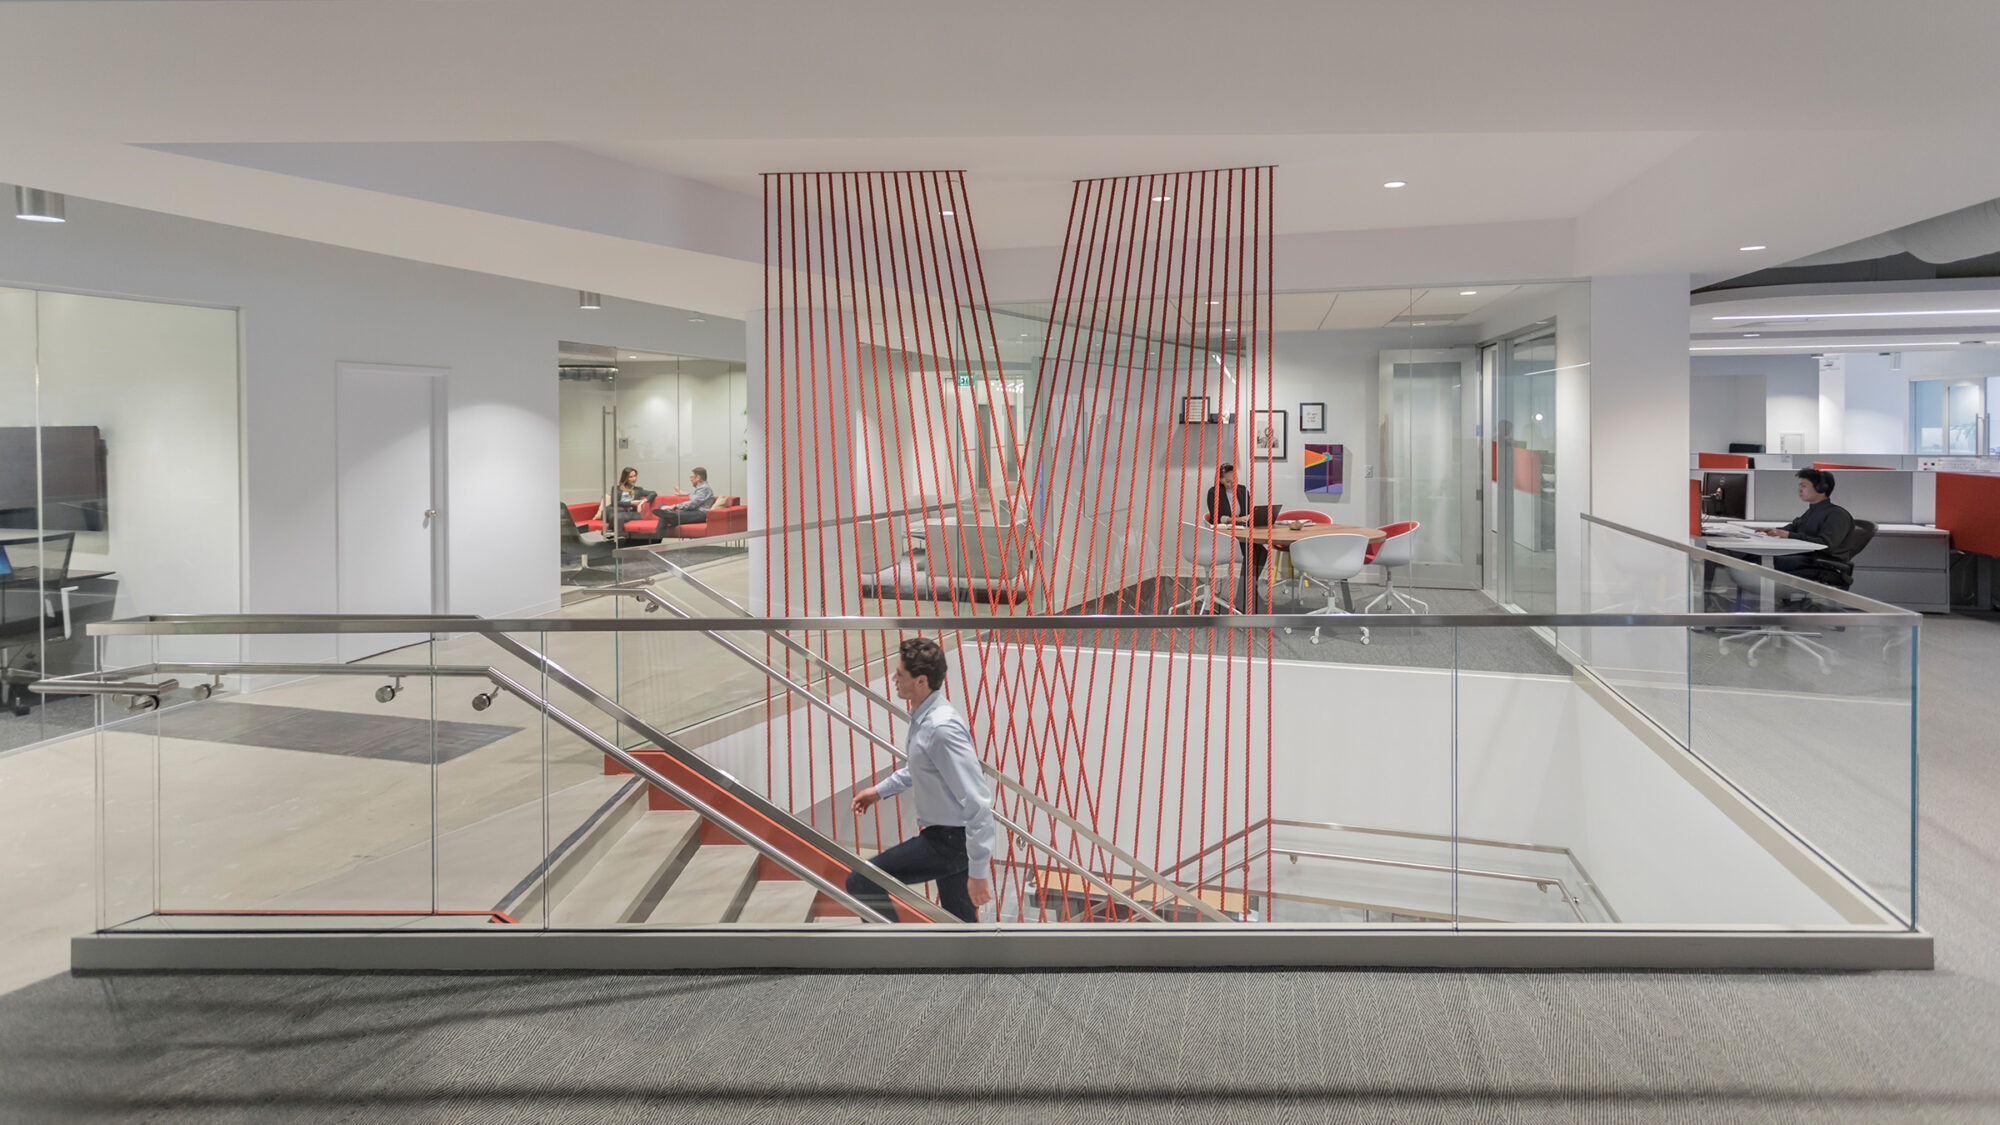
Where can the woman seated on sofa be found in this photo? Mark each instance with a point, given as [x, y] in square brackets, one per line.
[622, 507]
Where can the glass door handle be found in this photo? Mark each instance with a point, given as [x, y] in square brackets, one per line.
[429, 513]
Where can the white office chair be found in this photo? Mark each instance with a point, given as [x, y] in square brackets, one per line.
[1396, 551]
[1331, 560]
[1208, 549]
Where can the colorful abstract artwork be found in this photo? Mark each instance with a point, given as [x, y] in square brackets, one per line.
[1323, 469]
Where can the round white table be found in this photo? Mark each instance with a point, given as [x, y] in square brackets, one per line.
[1765, 547]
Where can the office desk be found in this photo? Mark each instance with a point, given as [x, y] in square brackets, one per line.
[1906, 564]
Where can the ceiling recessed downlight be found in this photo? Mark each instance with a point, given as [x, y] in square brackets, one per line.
[38, 206]
[1396, 184]
[1163, 199]
[1468, 292]
[588, 300]
[947, 214]
[1747, 249]
[1749, 334]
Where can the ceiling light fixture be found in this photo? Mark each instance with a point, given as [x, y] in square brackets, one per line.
[1854, 315]
[1397, 184]
[1871, 344]
[1747, 249]
[947, 214]
[1468, 292]
[1748, 334]
[1163, 199]
[588, 300]
[697, 320]
[38, 206]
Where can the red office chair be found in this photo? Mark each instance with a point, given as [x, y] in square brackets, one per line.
[1390, 553]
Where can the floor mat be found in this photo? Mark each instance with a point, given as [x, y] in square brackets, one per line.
[390, 737]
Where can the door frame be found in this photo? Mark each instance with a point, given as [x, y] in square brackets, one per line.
[440, 594]
[1465, 574]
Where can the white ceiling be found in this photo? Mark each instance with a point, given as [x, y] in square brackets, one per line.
[501, 136]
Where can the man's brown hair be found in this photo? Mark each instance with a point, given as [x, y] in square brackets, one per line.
[925, 657]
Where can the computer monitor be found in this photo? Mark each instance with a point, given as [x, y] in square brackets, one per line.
[1746, 447]
[1725, 495]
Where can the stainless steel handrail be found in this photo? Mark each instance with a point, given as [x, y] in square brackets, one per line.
[262, 624]
[103, 687]
[1139, 868]
[1816, 589]
[504, 682]
[1543, 881]
[894, 888]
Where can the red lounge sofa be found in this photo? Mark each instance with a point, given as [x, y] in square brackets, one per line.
[729, 516]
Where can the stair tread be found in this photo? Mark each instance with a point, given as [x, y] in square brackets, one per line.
[779, 900]
[710, 887]
[617, 883]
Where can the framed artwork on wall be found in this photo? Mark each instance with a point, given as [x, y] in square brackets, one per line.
[1270, 439]
[1312, 417]
[1194, 410]
[1325, 465]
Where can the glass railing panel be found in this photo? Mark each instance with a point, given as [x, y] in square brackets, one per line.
[1814, 722]
[299, 797]
[126, 752]
[1360, 808]
[1523, 761]
[492, 773]
[1624, 574]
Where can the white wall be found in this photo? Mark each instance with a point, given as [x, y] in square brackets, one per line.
[1725, 409]
[304, 307]
[1791, 406]
[1878, 405]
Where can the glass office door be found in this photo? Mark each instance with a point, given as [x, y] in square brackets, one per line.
[1429, 409]
[1950, 416]
[1524, 470]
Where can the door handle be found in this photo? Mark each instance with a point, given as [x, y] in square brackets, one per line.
[428, 514]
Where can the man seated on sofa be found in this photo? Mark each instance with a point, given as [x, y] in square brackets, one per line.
[695, 508]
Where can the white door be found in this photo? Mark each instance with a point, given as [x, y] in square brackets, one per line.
[388, 496]
[1429, 454]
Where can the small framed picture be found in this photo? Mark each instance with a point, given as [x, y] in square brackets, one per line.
[1269, 436]
[1312, 417]
[1194, 410]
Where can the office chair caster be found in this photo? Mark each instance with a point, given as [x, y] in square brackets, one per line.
[482, 701]
[387, 692]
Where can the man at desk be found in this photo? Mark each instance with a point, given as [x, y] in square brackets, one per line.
[1229, 503]
[695, 508]
[1822, 522]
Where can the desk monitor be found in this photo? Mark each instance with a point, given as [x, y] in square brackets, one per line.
[1725, 495]
[1746, 447]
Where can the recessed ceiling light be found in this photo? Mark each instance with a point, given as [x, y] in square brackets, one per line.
[1163, 199]
[1753, 333]
[588, 300]
[1747, 249]
[696, 320]
[38, 206]
[1468, 292]
[1215, 302]
[1397, 184]
[1850, 315]
[1538, 417]
[946, 214]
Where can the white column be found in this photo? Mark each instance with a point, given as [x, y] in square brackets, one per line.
[1639, 384]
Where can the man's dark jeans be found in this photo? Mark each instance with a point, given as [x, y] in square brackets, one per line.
[675, 517]
[936, 853]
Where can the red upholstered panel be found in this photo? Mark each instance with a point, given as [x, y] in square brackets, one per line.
[1694, 507]
[1968, 506]
[1307, 515]
[584, 512]
[1838, 465]
[1495, 447]
[1527, 470]
[1722, 460]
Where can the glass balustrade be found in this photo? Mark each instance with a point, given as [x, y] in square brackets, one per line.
[658, 757]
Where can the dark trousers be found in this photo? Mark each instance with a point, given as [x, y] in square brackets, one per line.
[1250, 592]
[674, 517]
[936, 853]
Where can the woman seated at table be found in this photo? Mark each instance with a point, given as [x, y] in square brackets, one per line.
[1229, 503]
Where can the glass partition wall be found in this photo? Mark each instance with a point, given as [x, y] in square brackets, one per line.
[120, 486]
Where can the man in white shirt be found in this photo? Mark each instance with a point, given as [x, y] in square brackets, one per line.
[954, 842]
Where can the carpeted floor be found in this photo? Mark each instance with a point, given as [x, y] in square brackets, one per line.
[1096, 1047]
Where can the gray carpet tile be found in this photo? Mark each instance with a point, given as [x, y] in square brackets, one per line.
[391, 737]
[1098, 1047]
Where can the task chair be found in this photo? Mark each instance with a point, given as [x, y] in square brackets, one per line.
[1837, 573]
[1209, 548]
[1330, 560]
